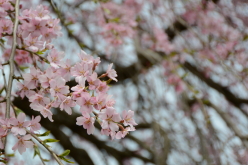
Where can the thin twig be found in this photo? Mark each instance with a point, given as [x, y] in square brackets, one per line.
[11, 61]
[41, 159]
[2, 101]
[6, 63]
[41, 142]
[42, 58]
[18, 78]
[4, 80]
[39, 154]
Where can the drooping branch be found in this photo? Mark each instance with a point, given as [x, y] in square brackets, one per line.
[63, 119]
[11, 61]
[221, 89]
[48, 149]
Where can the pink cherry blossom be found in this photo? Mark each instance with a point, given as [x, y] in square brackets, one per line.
[44, 110]
[5, 125]
[85, 102]
[22, 57]
[58, 87]
[45, 78]
[81, 70]
[109, 101]
[85, 57]
[102, 87]
[37, 98]
[65, 70]
[34, 44]
[66, 104]
[128, 118]
[34, 124]
[109, 118]
[87, 122]
[99, 101]
[38, 26]
[124, 132]
[108, 132]
[93, 81]
[19, 124]
[32, 77]
[54, 57]
[111, 73]
[80, 87]
[23, 143]
[24, 88]
[6, 26]
[1, 143]
[6, 5]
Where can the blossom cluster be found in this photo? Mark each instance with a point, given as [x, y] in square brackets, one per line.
[47, 89]
[118, 21]
[35, 32]
[6, 25]
[37, 29]
[18, 127]
[45, 85]
[159, 41]
[213, 24]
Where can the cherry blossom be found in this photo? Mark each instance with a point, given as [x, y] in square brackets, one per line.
[111, 73]
[19, 124]
[54, 57]
[128, 118]
[44, 83]
[87, 122]
[34, 123]
[110, 118]
[58, 87]
[32, 77]
[85, 102]
[44, 110]
[67, 103]
[23, 143]
[93, 81]
[124, 132]
[24, 88]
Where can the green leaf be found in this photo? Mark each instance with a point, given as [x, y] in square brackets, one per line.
[104, 1]
[44, 134]
[36, 151]
[69, 23]
[17, 110]
[107, 11]
[66, 160]
[41, 52]
[81, 45]
[65, 153]
[23, 67]
[45, 160]
[245, 37]
[70, 31]
[1, 90]
[50, 140]
[138, 19]
[2, 41]
[207, 102]
[10, 155]
[109, 80]
[116, 20]
[4, 161]
[185, 75]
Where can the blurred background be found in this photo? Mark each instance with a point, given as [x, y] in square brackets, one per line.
[182, 68]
